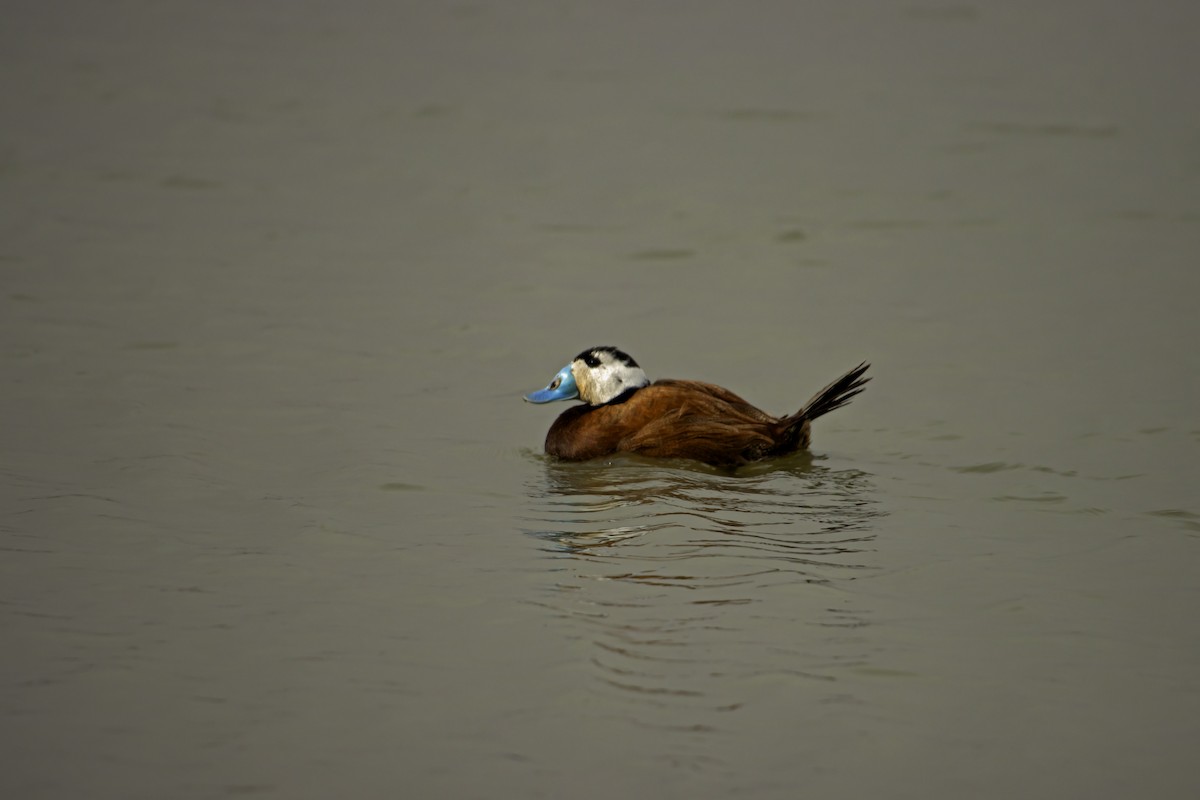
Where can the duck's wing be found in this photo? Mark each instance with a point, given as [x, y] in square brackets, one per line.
[701, 421]
[710, 400]
[709, 441]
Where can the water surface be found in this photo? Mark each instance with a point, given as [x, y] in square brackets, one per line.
[274, 519]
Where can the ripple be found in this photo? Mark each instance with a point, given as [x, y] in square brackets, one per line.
[800, 513]
[691, 585]
[1188, 520]
[1048, 129]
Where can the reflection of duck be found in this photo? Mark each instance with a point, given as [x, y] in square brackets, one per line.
[625, 413]
[785, 508]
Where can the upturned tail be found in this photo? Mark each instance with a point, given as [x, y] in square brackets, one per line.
[833, 396]
[795, 431]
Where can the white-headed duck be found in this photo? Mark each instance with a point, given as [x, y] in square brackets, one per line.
[623, 412]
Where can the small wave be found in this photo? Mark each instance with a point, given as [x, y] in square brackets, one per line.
[691, 584]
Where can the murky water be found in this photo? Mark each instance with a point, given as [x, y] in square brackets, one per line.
[275, 521]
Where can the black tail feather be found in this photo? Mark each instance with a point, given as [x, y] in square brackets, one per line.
[835, 395]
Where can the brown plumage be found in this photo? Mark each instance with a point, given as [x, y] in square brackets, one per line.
[690, 419]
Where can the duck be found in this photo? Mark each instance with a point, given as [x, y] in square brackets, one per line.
[622, 411]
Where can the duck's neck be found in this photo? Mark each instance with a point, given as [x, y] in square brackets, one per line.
[625, 395]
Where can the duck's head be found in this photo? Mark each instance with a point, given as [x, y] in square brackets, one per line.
[596, 376]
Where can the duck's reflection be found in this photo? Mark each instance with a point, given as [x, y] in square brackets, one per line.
[793, 509]
[694, 586]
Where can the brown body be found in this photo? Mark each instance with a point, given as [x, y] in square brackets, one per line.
[690, 419]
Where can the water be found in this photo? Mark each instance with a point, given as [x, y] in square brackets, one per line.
[275, 521]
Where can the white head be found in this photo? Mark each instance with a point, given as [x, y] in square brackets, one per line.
[605, 373]
[596, 376]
